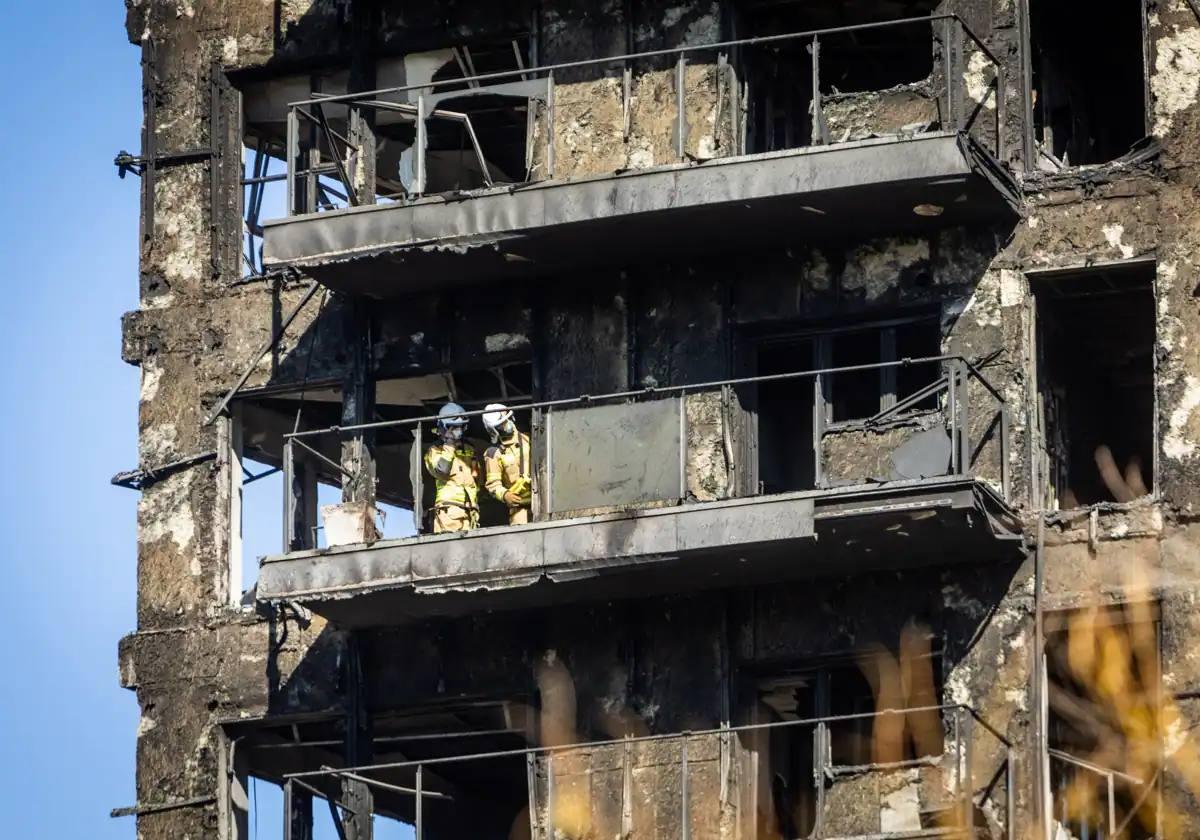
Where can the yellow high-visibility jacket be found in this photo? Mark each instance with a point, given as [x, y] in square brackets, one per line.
[507, 468]
[455, 472]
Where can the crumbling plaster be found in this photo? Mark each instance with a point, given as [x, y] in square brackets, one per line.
[193, 663]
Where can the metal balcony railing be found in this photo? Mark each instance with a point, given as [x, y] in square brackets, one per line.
[647, 433]
[975, 795]
[1086, 824]
[333, 154]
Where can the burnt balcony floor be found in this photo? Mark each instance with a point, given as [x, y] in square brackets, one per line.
[845, 190]
[650, 551]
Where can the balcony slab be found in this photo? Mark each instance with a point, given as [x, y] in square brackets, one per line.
[729, 543]
[842, 191]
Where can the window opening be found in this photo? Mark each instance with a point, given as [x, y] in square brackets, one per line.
[785, 417]
[1096, 338]
[785, 407]
[500, 122]
[257, 427]
[262, 524]
[1094, 731]
[779, 75]
[1088, 80]
[851, 687]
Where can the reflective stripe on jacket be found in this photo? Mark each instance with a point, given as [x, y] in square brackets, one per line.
[455, 474]
[506, 464]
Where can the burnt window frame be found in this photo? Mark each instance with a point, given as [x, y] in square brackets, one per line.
[888, 377]
[1043, 485]
[1031, 146]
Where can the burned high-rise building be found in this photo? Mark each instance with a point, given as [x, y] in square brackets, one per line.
[846, 476]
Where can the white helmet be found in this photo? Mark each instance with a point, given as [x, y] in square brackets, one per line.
[495, 416]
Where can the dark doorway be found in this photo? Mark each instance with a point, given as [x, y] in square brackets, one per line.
[1088, 78]
[1096, 377]
[785, 417]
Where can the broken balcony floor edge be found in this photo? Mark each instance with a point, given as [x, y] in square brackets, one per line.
[614, 546]
[542, 225]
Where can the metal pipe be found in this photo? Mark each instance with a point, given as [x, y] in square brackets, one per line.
[952, 416]
[670, 51]
[418, 808]
[680, 105]
[354, 777]
[964, 434]
[329, 461]
[293, 155]
[683, 448]
[670, 389]
[418, 184]
[1112, 806]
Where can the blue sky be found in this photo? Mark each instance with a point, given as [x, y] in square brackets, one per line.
[68, 422]
[68, 418]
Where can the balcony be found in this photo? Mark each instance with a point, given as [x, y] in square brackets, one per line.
[720, 782]
[397, 190]
[627, 500]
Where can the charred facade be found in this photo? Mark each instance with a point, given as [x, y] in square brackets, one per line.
[856, 347]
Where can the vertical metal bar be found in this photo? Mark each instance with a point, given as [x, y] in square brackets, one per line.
[1023, 40]
[819, 737]
[419, 806]
[735, 111]
[952, 414]
[964, 410]
[418, 479]
[289, 495]
[683, 483]
[817, 134]
[626, 96]
[215, 147]
[956, 65]
[744, 119]
[685, 828]
[948, 72]
[550, 155]
[818, 424]
[419, 155]
[551, 830]
[312, 196]
[288, 793]
[149, 136]
[680, 114]
[293, 157]
[549, 460]
[1112, 807]
[888, 376]
[531, 794]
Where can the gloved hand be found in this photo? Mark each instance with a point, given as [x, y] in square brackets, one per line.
[512, 499]
[520, 494]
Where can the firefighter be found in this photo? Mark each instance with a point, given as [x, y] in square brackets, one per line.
[506, 463]
[455, 471]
